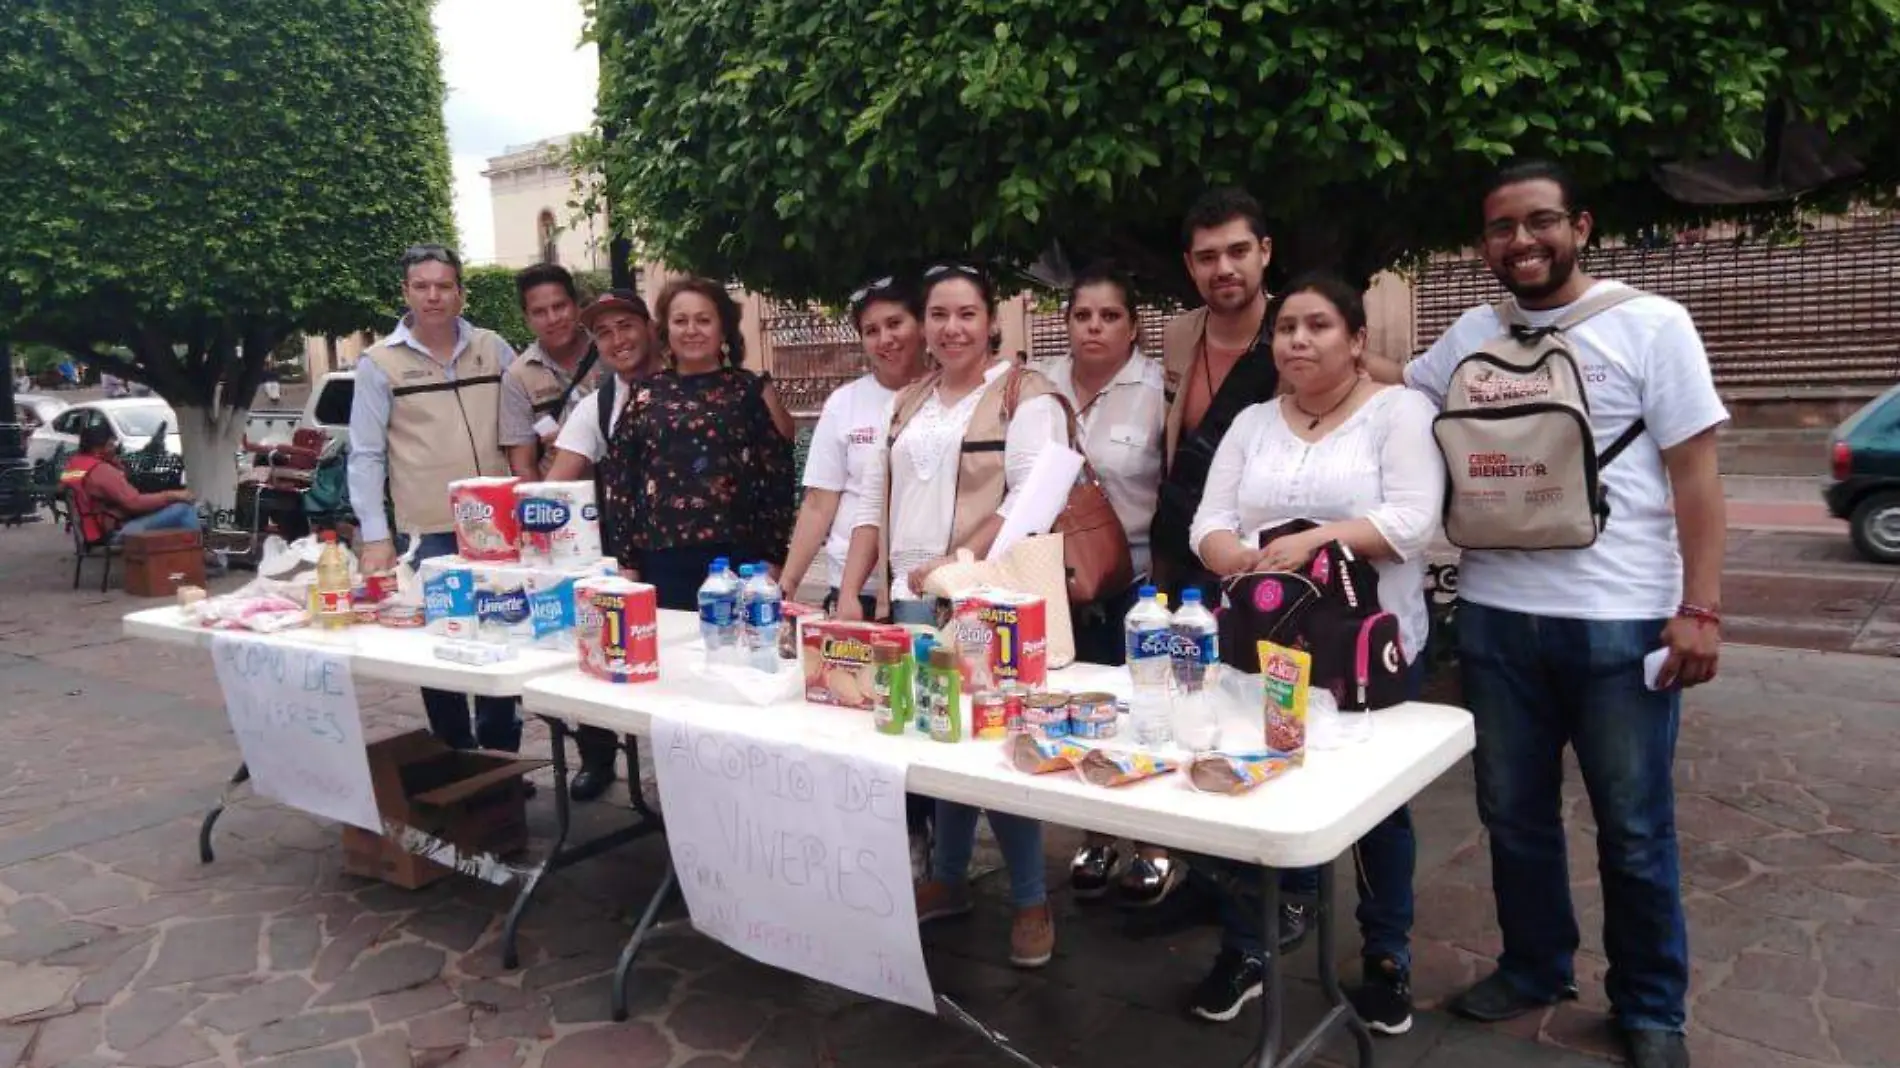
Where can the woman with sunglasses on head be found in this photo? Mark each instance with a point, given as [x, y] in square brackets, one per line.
[957, 455]
[700, 464]
[889, 318]
[1358, 459]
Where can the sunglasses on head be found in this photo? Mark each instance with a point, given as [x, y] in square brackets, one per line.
[415, 254]
[963, 269]
[863, 294]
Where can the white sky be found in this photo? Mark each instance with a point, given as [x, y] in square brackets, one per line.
[516, 73]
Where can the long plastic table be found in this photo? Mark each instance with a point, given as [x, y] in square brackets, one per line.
[407, 656]
[1307, 818]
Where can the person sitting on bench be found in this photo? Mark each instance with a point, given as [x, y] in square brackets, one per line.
[106, 505]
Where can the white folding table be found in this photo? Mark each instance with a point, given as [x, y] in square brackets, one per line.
[1307, 818]
[407, 656]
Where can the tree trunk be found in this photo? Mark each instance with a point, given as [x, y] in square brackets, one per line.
[210, 438]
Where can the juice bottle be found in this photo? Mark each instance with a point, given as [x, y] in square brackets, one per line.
[892, 697]
[946, 698]
[331, 593]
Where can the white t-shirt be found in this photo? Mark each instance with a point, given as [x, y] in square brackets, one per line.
[1642, 359]
[1121, 432]
[581, 434]
[923, 493]
[849, 434]
[1381, 464]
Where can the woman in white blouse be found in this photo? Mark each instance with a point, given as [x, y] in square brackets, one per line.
[939, 487]
[1358, 459]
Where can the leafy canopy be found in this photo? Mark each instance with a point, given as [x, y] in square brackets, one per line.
[804, 145]
[185, 177]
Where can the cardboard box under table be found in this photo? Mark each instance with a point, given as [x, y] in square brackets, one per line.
[157, 562]
[472, 799]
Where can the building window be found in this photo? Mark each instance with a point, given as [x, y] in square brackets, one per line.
[550, 253]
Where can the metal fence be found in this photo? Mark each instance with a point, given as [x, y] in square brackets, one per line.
[1778, 315]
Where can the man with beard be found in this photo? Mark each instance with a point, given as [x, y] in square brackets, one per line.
[539, 389]
[1552, 643]
[620, 325]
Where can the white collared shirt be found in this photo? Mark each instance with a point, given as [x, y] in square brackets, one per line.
[1121, 430]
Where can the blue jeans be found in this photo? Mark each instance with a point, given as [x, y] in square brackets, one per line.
[1020, 840]
[1383, 861]
[497, 721]
[1535, 684]
[178, 515]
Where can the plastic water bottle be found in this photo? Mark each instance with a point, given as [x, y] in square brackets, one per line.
[1150, 661]
[1194, 648]
[763, 606]
[719, 614]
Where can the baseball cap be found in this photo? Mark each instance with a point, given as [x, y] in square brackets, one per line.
[615, 300]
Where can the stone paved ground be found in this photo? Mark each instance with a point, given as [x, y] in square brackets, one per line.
[117, 947]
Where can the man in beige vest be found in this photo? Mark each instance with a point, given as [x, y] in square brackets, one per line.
[543, 383]
[427, 412]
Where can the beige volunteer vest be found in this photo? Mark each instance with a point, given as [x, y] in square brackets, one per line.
[546, 386]
[980, 472]
[440, 430]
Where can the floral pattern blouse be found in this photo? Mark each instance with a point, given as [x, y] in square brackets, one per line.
[695, 460]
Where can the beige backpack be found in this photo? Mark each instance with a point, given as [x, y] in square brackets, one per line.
[1521, 464]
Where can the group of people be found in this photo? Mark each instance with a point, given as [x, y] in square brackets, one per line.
[1259, 410]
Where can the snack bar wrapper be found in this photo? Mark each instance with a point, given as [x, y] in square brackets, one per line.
[1235, 773]
[1286, 675]
[1040, 756]
[1104, 767]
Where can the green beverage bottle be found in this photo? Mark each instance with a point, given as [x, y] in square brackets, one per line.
[893, 699]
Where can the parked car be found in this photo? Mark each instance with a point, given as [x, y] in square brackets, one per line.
[35, 410]
[133, 419]
[327, 408]
[1866, 486]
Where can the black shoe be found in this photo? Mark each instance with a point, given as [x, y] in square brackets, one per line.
[1493, 1000]
[528, 788]
[1193, 905]
[1384, 999]
[1657, 1049]
[591, 781]
[1235, 980]
[1149, 881]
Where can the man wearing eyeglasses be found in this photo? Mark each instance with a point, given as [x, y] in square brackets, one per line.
[1554, 644]
[427, 412]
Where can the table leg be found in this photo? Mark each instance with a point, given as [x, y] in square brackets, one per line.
[560, 856]
[1339, 1012]
[238, 778]
[624, 968]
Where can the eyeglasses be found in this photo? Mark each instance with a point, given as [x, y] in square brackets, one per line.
[1539, 223]
[863, 293]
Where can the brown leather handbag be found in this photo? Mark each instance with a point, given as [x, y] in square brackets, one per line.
[1094, 545]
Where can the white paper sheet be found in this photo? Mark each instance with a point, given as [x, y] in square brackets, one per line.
[795, 855]
[296, 719]
[1041, 499]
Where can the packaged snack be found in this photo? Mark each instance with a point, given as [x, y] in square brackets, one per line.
[485, 527]
[988, 716]
[1234, 773]
[617, 629]
[1103, 767]
[559, 523]
[1093, 716]
[1040, 756]
[448, 596]
[399, 614]
[838, 662]
[791, 616]
[1286, 675]
[1046, 715]
[1019, 625]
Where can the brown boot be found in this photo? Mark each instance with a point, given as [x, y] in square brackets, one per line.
[1032, 937]
[940, 901]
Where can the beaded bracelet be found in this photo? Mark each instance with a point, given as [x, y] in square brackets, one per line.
[1699, 614]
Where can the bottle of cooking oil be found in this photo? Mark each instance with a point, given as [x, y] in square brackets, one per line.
[330, 597]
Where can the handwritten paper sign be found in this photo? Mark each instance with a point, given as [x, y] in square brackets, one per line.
[797, 857]
[295, 716]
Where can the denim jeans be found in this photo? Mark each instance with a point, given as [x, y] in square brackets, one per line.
[497, 721]
[1020, 840]
[178, 515]
[1535, 684]
[1383, 862]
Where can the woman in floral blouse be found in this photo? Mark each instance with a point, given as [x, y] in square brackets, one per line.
[700, 465]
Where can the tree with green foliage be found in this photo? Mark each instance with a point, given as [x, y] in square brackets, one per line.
[192, 181]
[804, 145]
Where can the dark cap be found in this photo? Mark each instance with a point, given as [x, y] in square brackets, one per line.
[625, 300]
[96, 435]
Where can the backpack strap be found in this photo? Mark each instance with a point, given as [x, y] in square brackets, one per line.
[604, 401]
[1623, 441]
[1588, 308]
